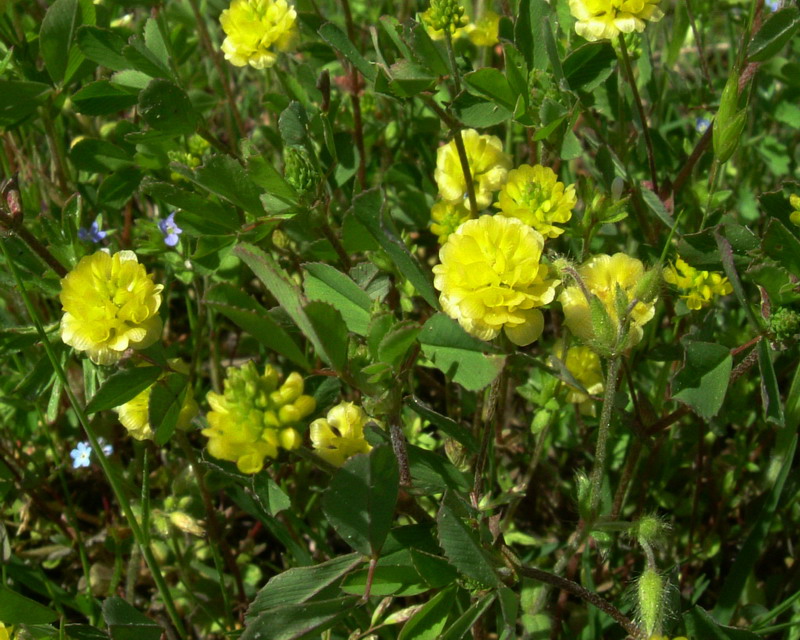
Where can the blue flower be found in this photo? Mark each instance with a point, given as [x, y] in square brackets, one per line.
[170, 230]
[92, 234]
[105, 447]
[773, 5]
[81, 455]
[701, 124]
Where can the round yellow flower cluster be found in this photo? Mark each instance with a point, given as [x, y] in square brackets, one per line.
[255, 416]
[110, 305]
[491, 279]
[584, 365]
[134, 414]
[488, 164]
[600, 19]
[613, 280]
[534, 195]
[699, 287]
[255, 30]
[794, 217]
[340, 435]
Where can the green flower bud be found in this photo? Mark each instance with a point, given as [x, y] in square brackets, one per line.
[651, 593]
[299, 170]
[647, 289]
[584, 495]
[783, 324]
[650, 531]
[186, 523]
[446, 14]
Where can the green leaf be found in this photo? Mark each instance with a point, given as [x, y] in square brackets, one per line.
[456, 431]
[164, 408]
[457, 354]
[102, 97]
[99, 156]
[408, 79]
[728, 264]
[588, 66]
[199, 214]
[122, 386]
[776, 31]
[118, 188]
[476, 112]
[335, 37]
[166, 107]
[430, 620]
[361, 497]
[20, 99]
[425, 50]
[331, 329]
[325, 283]
[301, 584]
[461, 544]
[17, 609]
[226, 178]
[298, 621]
[293, 124]
[770, 393]
[266, 176]
[288, 296]
[368, 208]
[703, 381]
[528, 32]
[395, 344]
[387, 580]
[268, 494]
[781, 245]
[492, 84]
[142, 59]
[699, 624]
[462, 625]
[655, 205]
[102, 46]
[126, 623]
[255, 319]
[57, 34]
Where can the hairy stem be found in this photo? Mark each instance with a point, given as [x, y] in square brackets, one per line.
[602, 435]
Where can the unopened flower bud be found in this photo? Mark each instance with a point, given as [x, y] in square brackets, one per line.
[651, 592]
[290, 439]
[186, 523]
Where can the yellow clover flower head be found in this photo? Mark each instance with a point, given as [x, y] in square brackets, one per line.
[534, 195]
[488, 164]
[135, 414]
[584, 365]
[491, 279]
[599, 19]
[340, 435]
[256, 30]
[484, 32]
[604, 276]
[110, 305]
[698, 287]
[794, 217]
[255, 416]
[446, 217]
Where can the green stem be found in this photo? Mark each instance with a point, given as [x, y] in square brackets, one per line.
[602, 437]
[448, 41]
[651, 159]
[108, 470]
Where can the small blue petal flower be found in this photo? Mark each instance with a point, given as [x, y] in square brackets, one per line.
[170, 230]
[81, 455]
[92, 234]
[701, 124]
[106, 448]
[773, 5]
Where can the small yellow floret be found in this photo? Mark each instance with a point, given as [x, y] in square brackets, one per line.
[484, 32]
[340, 435]
[491, 279]
[699, 287]
[602, 274]
[584, 365]
[110, 305]
[599, 19]
[535, 196]
[446, 217]
[134, 414]
[255, 416]
[488, 164]
[256, 30]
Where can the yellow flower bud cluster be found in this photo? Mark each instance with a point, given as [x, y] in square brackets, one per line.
[600, 19]
[534, 195]
[794, 217]
[340, 435]
[699, 287]
[134, 414]
[110, 305]
[256, 30]
[491, 279]
[483, 32]
[445, 15]
[255, 416]
[446, 217]
[623, 289]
